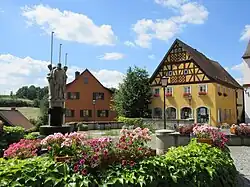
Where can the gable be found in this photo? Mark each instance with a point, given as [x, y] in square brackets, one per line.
[92, 82]
[203, 70]
[179, 67]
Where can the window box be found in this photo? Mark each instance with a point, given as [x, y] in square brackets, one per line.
[186, 94]
[202, 93]
[168, 94]
[224, 94]
[156, 95]
[219, 93]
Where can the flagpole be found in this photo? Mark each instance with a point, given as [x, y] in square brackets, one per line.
[51, 49]
[66, 56]
[60, 51]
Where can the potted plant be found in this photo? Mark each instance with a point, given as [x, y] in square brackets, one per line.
[202, 93]
[233, 129]
[204, 133]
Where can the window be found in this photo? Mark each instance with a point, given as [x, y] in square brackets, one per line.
[187, 89]
[169, 90]
[98, 96]
[73, 95]
[219, 115]
[236, 94]
[157, 91]
[70, 113]
[218, 87]
[102, 113]
[85, 80]
[157, 113]
[229, 114]
[186, 113]
[170, 73]
[171, 113]
[185, 71]
[203, 88]
[225, 114]
[202, 115]
[85, 113]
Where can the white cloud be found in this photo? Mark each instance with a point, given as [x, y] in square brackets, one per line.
[245, 35]
[165, 29]
[111, 56]
[25, 71]
[109, 78]
[69, 26]
[129, 44]
[152, 57]
[238, 67]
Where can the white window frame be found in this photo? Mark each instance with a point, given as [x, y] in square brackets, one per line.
[190, 90]
[206, 88]
[155, 91]
[169, 87]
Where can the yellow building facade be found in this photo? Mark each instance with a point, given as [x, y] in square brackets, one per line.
[198, 88]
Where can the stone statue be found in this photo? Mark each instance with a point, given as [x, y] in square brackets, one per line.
[57, 82]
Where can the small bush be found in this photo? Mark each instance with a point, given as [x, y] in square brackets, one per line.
[9, 102]
[194, 165]
[37, 171]
[83, 127]
[32, 136]
[136, 122]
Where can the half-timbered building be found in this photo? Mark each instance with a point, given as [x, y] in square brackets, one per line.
[198, 88]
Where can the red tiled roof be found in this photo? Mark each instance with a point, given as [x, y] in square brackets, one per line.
[15, 118]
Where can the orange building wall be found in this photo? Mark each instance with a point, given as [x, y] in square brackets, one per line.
[85, 101]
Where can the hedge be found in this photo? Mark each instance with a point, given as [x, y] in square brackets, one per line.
[10, 135]
[8, 102]
[194, 165]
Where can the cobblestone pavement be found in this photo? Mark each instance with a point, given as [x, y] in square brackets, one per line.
[241, 156]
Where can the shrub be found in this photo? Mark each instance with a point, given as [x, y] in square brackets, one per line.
[136, 122]
[64, 145]
[243, 129]
[37, 171]
[23, 149]
[83, 127]
[195, 165]
[10, 102]
[32, 136]
[186, 129]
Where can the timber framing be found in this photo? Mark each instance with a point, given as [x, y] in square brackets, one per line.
[184, 65]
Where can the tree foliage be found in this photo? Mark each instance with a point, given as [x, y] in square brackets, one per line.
[32, 92]
[133, 96]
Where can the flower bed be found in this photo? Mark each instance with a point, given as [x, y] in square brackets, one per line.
[193, 165]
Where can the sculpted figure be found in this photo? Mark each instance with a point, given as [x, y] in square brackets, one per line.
[59, 79]
[51, 83]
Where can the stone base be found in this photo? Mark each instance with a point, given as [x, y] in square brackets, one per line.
[47, 130]
[164, 141]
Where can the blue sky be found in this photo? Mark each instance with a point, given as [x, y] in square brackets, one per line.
[108, 36]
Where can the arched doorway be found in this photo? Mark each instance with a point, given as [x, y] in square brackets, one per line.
[202, 115]
[171, 113]
[186, 113]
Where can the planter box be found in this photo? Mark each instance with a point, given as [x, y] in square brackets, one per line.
[234, 140]
[246, 140]
[183, 140]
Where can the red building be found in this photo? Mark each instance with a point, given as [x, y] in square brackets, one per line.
[88, 100]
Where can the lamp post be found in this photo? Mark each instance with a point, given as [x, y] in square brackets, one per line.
[94, 102]
[164, 84]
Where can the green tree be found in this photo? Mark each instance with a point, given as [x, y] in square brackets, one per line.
[133, 96]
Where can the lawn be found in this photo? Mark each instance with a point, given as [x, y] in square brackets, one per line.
[28, 112]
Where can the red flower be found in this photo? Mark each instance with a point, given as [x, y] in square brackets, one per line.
[84, 172]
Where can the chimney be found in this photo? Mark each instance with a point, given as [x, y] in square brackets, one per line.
[77, 73]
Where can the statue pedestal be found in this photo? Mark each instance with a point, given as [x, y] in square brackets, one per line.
[55, 123]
